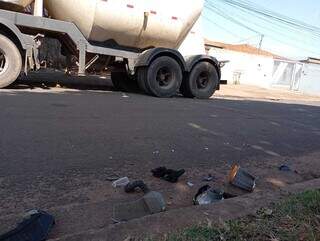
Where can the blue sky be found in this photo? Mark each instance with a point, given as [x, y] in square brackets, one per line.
[280, 40]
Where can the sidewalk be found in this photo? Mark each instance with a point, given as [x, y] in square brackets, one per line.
[258, 93]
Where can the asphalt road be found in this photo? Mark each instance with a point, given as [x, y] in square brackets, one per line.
[46, 132]
[48, 136]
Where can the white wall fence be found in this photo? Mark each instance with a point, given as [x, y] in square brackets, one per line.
[310, 79]
[267, 72]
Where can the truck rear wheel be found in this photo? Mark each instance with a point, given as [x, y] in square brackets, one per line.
[10, 62]
[162, 78]
[202, 81]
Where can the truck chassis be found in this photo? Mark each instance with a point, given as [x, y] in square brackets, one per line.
[159, 72]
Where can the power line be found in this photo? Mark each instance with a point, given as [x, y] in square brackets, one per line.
[279, 26]
[263, 11]
[231, 19]
[247, 5]
[247, 39]
[221, 27]
[290, 44]
[222, 13]
[265, 27]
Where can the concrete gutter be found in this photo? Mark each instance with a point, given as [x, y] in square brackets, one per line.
[160, 224]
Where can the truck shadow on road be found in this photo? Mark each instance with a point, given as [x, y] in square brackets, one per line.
[56, 79]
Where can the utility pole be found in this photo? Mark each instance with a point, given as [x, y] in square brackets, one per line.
[261, 40]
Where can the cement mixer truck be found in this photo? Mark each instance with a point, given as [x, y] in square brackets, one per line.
[137, 42]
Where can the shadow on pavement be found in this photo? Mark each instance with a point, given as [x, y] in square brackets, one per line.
[50, 79]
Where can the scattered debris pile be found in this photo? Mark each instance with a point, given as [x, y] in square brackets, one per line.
[37, 224]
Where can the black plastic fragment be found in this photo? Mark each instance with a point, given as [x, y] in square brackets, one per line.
[132, 186]
[34, 227]
[169, 175]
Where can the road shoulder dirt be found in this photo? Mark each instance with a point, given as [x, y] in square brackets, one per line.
[158, 225]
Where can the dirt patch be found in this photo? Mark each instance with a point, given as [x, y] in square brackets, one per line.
[92, 196]
[159, 225]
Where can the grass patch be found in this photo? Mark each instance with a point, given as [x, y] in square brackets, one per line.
[296, 218]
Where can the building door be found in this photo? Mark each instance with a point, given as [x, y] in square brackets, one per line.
[286, 74]
[297, 76]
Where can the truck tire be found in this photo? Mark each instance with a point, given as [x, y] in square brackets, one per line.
[122, 82]
[141, 78]
[202, 81]
[162, 78]
[10, 62]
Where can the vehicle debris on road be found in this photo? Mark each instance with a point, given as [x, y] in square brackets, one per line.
[112, 178]
[286, 168]
[35, 226]
[208, 178]
[169, 175]
[132, 187]
[156, 152]
[121, 182]
[207, 195]
[152, 202]
[240, 178]
[190, 184]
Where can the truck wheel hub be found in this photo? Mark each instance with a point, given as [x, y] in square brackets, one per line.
[203, 80]
[3, 62]
[164, 76]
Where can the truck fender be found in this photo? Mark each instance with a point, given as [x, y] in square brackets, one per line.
[191, 61]
[9, 27]
[149, 55]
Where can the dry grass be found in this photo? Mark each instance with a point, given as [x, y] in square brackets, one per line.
[296, 218]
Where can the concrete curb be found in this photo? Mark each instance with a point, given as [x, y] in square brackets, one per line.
[160, 224]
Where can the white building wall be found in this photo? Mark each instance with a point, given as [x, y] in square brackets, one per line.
[310, 79]
[247, 68]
